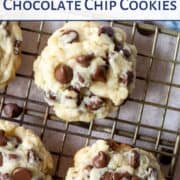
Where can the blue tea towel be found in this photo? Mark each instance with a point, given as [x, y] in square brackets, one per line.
[175, 25]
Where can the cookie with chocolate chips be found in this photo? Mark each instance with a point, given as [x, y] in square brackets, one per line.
[22, 154]
[86, 70]
[108, 160]
[10, 51]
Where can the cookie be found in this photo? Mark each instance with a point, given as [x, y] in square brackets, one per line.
[107, 160]
[22, 154]
[10, 54]
[86, 70]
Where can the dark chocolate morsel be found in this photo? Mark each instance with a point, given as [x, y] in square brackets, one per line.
[85, 60]
[100, 74]
[21, 174]
[135, 159]
[107, 30]
[101, 160]
[1, 159]
[13, 156]
[63, 74]
[126, 53]
[118, 46]
[71, 35]
[3, 139]
[12, 110]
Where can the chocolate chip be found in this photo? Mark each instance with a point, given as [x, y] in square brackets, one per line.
[126, 53]
[17, 45]
[63, 74]
[1, 159]
[80, 78]
[85, 60]
[112, 144]
[111, 176]
[100, 74]
[134, 159]
[13, 156]
[94, 103]
[12, 110]
[88, 167]
[70, 36]
[130, 77]
[101, 160]
[2, 132]
[21, 174]
[118, 46]
[107, 30]
[32, 156]
[3, 139]
[51, 95]
[152, 173]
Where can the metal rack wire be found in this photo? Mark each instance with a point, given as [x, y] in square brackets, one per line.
[42, 117]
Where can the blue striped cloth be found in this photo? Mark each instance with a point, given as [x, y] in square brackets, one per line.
[175, 25]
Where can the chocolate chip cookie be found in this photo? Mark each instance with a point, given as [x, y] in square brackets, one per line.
[10, 54]
[107, 160]
[86, 70]
[22, 154]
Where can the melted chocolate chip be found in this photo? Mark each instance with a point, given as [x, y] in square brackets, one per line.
[126, 53]
[3, 139]
[107, 30]
[135, 159]
[51, 95]
[100, 74]
[88, 167]
[70, 36]
[111, 176]
[80, 78]
[101, 160]
[112, 144]
[13, 156]
[126, 176]
[85, 60]
[118, 46]
[1, 159]
[17, 45]
[21, 174]
[12, 110]
[63, 74]
[94, 103]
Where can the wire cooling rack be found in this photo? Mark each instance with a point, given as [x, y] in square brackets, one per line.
[149, 119]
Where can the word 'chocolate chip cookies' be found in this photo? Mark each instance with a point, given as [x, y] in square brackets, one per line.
[10, 58]
[22, 154]
[86, 70]
[107, 160]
